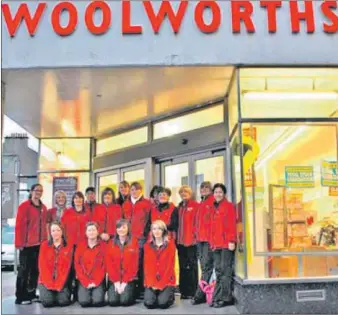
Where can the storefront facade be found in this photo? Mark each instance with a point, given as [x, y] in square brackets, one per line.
[197, 100]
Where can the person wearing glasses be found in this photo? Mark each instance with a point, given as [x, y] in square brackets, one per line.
[223, 244]
[90, 269]
[203, 221]
[55, 261]
[30, 232]
[110, 214]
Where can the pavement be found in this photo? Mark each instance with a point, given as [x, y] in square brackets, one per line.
[180, 307]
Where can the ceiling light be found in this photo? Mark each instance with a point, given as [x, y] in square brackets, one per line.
[329, 96]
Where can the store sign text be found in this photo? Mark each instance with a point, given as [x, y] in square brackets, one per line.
[241, 16]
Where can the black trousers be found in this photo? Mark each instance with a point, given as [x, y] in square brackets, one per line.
[140, 275]
[159, 298]
[205, 256]
[187, 256]
[127, 298]
[223, 263]
[50, 298]
[28, 273]
[92, 297]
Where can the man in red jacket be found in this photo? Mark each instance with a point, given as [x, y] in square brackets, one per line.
[30, 232]
[205, 254]
[137, 210]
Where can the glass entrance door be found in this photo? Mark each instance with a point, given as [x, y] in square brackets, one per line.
[192, 171]
[114, 177]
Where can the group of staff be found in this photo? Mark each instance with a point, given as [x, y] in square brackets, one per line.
[125, 247]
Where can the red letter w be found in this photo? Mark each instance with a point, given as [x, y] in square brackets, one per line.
[165, 10]
[22, 14]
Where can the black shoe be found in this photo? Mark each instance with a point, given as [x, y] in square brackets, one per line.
[219, 304]
[35, 299]
[20, 302]
[195, 301]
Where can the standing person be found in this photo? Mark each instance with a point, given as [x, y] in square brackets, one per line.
[122, 258]
[186, 243]
[90, 268]
[154, 195]
[55, 261]
[203, 222]
[159, 273]
[93, 208]
[110, 214]
[74, 221]
[165, 211]
[137, 210]
[223, 244]
[55, 214]
[124, 192]
[30, 232]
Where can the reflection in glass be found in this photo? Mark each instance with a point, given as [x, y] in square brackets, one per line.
[108, 181]
[174, 177]
[211, 169]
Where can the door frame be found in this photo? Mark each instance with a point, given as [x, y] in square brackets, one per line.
[145, 164]
[191, 160]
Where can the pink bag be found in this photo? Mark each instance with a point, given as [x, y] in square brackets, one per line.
[208, 289]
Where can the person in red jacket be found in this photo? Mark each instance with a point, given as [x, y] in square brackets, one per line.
[30, 232]
[55, 214]
[137, 210]
[93, 209]
[55, 262]
[74, 220]
[223, 244]
[90, 269]
[186, 243]
[165, 211]
[122, 257]
[124, 192]
[110, 214]
[205, 254]
[159, 271]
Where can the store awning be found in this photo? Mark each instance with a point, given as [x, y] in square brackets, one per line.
[81, 102]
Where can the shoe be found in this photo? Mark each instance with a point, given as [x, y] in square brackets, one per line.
[35, 299]
[219, 305]
[195, 301]
[20, 302]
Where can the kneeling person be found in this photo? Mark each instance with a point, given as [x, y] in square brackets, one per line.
[159, 273]
[55, 260]
[122, 266]
[90, 268]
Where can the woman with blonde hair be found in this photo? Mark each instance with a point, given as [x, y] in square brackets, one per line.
[159, 271]
[55, 213]
[186, 243]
